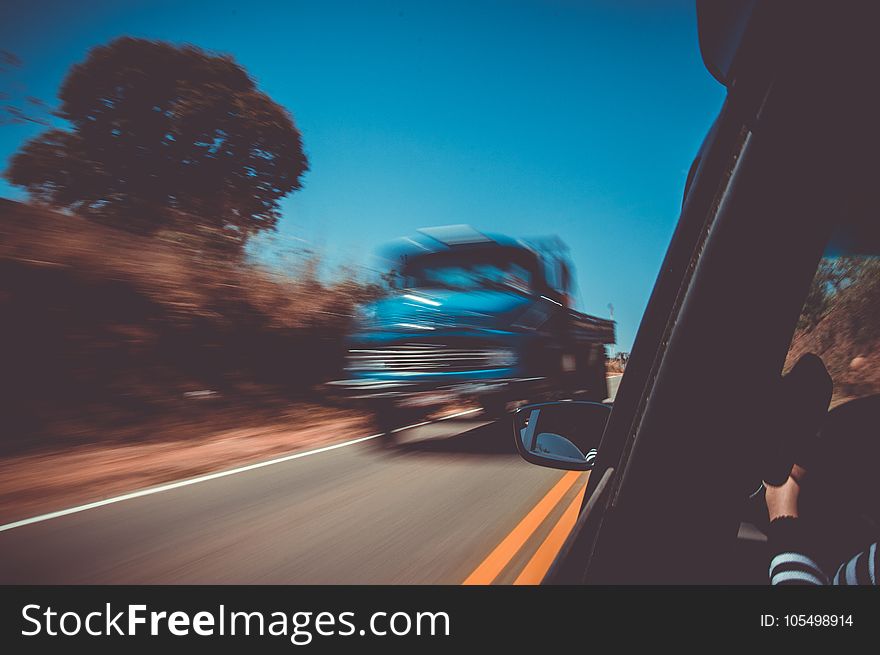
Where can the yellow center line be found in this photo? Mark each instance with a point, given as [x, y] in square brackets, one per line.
[537, 568]
[504, 552]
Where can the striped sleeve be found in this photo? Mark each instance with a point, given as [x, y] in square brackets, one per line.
[792, 561]
[860, 569]
[792, 568]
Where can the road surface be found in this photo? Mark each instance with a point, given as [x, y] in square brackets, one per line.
[452, 503]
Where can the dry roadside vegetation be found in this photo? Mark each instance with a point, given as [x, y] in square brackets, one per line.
[111, 337]
[616, 365]
[841, 324]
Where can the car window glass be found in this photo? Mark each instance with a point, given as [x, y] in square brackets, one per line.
[840, 322]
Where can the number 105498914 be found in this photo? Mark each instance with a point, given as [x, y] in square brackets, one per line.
[807, 620]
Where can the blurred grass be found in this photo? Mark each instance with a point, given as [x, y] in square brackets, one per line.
[108, 336]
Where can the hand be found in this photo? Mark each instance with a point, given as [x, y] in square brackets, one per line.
[783, 500]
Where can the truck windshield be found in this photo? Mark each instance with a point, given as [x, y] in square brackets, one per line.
[489, 271]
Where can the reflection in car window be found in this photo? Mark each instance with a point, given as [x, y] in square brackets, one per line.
[840, 322]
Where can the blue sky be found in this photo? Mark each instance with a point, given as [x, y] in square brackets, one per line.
[572, 118]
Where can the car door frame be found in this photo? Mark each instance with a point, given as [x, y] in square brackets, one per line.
[681, 447]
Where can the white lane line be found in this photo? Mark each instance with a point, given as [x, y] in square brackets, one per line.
[209, 476]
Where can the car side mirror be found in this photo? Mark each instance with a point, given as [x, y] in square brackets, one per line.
[561, 435]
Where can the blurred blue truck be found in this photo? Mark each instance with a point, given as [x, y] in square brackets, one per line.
[481, 317]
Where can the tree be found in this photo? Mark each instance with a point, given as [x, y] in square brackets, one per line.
[162, 135]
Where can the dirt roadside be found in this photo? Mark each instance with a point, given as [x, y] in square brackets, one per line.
[47, 481]
[36, 483]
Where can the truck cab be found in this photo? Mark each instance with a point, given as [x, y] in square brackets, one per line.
[476, 317]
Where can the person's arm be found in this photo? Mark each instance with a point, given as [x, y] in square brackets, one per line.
[792, 560]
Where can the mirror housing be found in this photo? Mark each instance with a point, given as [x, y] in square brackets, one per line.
[561, 435]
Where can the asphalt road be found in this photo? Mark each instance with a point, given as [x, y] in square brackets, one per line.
[452, 502]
